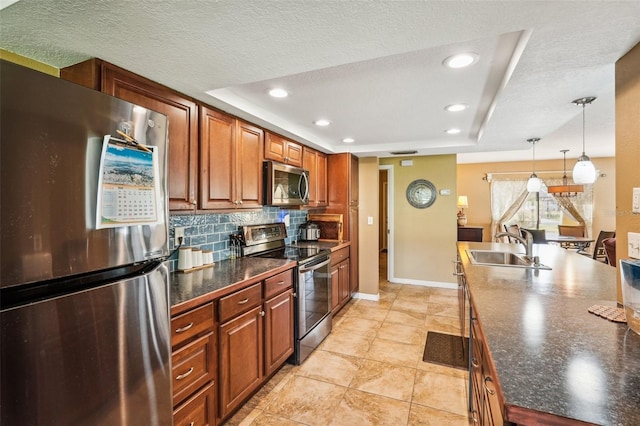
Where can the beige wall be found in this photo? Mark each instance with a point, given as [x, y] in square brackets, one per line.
[368, 234]
[30, 63]
[471, 184]
[424, 239]
[627, 148]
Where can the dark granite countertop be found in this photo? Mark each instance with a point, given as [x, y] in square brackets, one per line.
[551, 354]
[195, 288]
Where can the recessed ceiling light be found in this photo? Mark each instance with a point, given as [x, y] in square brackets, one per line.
[461, 60]
[453, 131]
[278, 93]
[348, 140]
[456, 107]
[322, 122]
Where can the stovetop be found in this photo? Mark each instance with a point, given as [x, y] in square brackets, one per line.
[300, 254]
[268, 241]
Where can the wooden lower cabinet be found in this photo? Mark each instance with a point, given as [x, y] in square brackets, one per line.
[278, 330]
[340, 279]
[241, 359]
[199, 410]
[487, 408]
[253, 343]
[194, 366]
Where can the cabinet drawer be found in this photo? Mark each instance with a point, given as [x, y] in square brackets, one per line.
[197, 410]
[278, 283]
[339, 255]
[190, 324]
[239, 302]
[192, 366]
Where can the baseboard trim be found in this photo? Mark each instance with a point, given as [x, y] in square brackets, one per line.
[435, 284]
[366, 296]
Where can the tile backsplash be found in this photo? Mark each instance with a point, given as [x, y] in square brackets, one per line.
[211, 231]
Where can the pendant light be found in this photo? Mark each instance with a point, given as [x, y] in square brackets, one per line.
[564, 190]
[584, 172]
[534, 184]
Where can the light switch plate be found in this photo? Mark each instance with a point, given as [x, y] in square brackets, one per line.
[445, 192]
[635, 206]
[369, 220]
[634, 245]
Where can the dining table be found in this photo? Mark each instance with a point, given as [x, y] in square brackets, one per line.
[570, 242]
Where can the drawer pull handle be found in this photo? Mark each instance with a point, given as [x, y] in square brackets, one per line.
[192, 424]
[243, 301]
[185, 328]
[182, 376]
[474, 362]
[280, 282]
[490, 391]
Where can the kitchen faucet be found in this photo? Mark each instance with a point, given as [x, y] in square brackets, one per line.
[527, 240]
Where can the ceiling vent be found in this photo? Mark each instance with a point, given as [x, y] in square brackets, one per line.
[403, 152]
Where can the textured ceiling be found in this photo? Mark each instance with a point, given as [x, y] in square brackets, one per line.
[373, 68]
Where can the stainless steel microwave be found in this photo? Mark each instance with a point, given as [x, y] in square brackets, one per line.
[285, 185]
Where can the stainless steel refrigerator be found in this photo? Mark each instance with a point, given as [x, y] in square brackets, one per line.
[84, 308]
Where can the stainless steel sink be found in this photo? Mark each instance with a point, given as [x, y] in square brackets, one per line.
[503, 258]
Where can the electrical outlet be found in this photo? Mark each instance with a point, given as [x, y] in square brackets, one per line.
[369, 220]
[178, 235]
[634, 245]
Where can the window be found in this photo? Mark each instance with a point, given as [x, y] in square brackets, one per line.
[540, 211]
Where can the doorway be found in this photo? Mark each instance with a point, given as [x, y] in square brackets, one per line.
[385, 232]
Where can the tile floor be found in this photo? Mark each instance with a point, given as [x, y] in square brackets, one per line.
[369, 371]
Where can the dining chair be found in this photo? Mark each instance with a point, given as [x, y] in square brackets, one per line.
[512, 229]
[610, 249]
[571, 230]
[598, 252]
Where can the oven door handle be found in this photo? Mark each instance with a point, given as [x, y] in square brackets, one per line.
[304, 269]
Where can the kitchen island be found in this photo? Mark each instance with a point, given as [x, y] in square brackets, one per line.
[553, 360]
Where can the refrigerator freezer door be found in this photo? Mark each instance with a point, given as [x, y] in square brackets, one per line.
[96, 357]
[52, 133]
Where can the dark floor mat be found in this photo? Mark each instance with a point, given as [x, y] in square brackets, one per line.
[447, 350]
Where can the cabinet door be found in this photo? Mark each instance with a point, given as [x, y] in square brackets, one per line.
[283, 150]
[354, 186]
[248, 178]
[278, 330]
[321, 178]
[309, 162]
[345, 291]
[216, 159]
[354, 250]
[335, 287]
[241, 359]
[316, 163]
[183, 128]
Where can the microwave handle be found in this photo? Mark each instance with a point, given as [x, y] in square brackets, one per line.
[304, 197]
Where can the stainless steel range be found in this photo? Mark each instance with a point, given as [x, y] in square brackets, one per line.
[312, 287]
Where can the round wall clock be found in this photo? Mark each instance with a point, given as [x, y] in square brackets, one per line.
[421, 193]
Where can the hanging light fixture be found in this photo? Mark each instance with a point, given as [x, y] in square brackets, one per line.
[534, 184]
[564, 190]
[584, 172]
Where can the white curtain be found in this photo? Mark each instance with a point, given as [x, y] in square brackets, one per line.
[507, 195]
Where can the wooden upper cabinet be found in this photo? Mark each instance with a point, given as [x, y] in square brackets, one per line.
[230, 162]
[283, 150]
[181, 111]
[316, 163]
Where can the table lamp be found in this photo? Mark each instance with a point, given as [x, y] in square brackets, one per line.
[462, 203]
